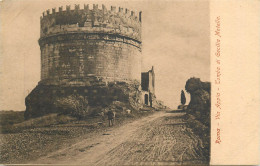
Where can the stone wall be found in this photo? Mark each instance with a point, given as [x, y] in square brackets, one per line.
[147, 84]
[148, 81]
[199, 105]
[72, 61]
[113, 21]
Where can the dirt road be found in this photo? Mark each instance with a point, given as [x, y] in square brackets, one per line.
[159, 139]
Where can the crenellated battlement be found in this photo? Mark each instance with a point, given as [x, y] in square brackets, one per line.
[85, 8]
[117, 21]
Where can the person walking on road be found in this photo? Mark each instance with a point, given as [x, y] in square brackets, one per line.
[110, 116]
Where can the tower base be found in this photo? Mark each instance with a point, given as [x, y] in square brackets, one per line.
[46, 99]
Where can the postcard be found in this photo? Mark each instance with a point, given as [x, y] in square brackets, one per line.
[129, 82]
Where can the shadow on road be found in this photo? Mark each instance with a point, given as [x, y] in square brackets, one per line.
[176, 111]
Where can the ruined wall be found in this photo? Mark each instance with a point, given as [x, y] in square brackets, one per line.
[79, 43]
[151, 81]
[199, 105]
[148, 81]
[148, 89]
[145, 81]
[43, 99]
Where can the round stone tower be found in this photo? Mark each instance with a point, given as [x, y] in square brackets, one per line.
[78, 44]
[90, 55]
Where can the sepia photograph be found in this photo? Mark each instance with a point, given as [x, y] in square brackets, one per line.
[105, 82]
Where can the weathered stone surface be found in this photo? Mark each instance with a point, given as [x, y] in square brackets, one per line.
[79, 43]
[148, 87]
[73, 61]
[45, 99]
[121, 22]
[199, 104]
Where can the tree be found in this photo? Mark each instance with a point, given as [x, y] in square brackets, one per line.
[183, 98]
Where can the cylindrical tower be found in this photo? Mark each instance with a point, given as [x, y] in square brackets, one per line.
[77, 44]
[84, 54]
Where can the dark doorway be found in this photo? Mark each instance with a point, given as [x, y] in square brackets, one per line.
[146, 99]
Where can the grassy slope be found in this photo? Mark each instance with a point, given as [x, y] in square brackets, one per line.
[27, 144]
[200, 130]
[8, 118]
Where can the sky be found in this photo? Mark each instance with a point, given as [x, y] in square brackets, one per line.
[175, 36]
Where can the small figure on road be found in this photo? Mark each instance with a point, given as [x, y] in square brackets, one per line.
[110, 116]
[102, 114]
[114, 119]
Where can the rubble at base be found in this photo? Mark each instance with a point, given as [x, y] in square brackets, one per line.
[199, 105]
[83, 101]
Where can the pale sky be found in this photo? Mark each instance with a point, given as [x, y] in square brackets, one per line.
[176, 41]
